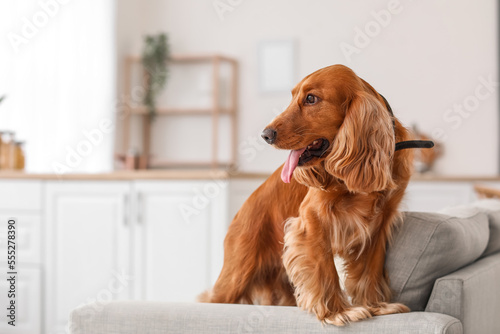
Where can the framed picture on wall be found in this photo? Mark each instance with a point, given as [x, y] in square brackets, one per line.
[276, 61]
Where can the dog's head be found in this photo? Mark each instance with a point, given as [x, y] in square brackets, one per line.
[336, 125]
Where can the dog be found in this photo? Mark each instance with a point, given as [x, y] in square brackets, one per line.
[337, 195]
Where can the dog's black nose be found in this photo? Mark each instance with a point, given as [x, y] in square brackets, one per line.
[269, 135]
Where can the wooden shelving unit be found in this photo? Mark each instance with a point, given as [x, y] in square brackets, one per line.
[214, 111]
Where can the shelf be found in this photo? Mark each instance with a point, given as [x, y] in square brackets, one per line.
[180, 58]
[187, 164]
[215, 110]
[181, 111]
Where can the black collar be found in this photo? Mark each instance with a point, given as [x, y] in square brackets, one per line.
[409, 143]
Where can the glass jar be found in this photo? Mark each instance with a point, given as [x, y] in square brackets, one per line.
[1, 147]
[7, 150]
[19, 154]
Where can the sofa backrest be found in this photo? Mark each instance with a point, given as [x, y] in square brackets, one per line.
[491, 207]
[427, 246]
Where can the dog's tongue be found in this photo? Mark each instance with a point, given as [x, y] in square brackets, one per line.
[291, 164]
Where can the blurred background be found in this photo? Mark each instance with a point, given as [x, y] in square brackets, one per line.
[63, 67]
[130, 130]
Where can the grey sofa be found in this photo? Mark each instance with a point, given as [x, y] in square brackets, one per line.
[445, 267]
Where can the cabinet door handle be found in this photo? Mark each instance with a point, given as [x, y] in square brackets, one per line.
[126, 209]
[139, 208]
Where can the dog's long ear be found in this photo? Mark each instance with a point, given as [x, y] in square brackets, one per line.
[363, 149]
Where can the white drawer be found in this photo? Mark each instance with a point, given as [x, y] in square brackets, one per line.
[28, 238]
[20, 195]
[28, 302]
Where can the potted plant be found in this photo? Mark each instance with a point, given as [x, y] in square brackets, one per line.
[155, 58]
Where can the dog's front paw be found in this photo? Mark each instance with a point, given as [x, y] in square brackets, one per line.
[347, 316]
[389, 308]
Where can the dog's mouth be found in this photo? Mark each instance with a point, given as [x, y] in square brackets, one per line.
[302, 156]
[315, 150]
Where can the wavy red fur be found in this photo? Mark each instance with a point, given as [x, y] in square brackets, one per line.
[280, 247]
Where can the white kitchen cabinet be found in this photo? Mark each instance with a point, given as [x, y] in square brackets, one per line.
[86, 246]
[21, 199]
[178, 237]
[28, 237]
[101, 240]
[28, 301]
[154, 240]
[433, 196]
[426, 196]
[21, 195]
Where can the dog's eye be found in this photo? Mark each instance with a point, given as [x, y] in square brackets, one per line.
[311, 99]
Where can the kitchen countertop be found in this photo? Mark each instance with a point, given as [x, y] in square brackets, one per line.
[202, 175]
[121, 175]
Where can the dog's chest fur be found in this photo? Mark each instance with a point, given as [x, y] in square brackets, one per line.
[340, 266]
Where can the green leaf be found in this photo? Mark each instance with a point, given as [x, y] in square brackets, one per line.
[155, 56]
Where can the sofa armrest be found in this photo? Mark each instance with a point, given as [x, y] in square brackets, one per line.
[155, 318]
[472, 295]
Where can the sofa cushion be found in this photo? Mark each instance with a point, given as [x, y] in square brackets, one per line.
[428, 246]
[491, 207]
[133, 317]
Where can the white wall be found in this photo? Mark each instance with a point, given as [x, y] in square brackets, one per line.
[57, 70]
[431, 56]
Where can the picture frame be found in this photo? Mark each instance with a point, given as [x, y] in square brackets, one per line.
[276, 66]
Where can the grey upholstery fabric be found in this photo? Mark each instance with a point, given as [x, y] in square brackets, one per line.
[428, 246]
[471, 295]
[491, 207]
[425, 248]
[156, 318]
[494, 241]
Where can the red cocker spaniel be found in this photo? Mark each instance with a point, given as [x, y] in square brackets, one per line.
[337, 195]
